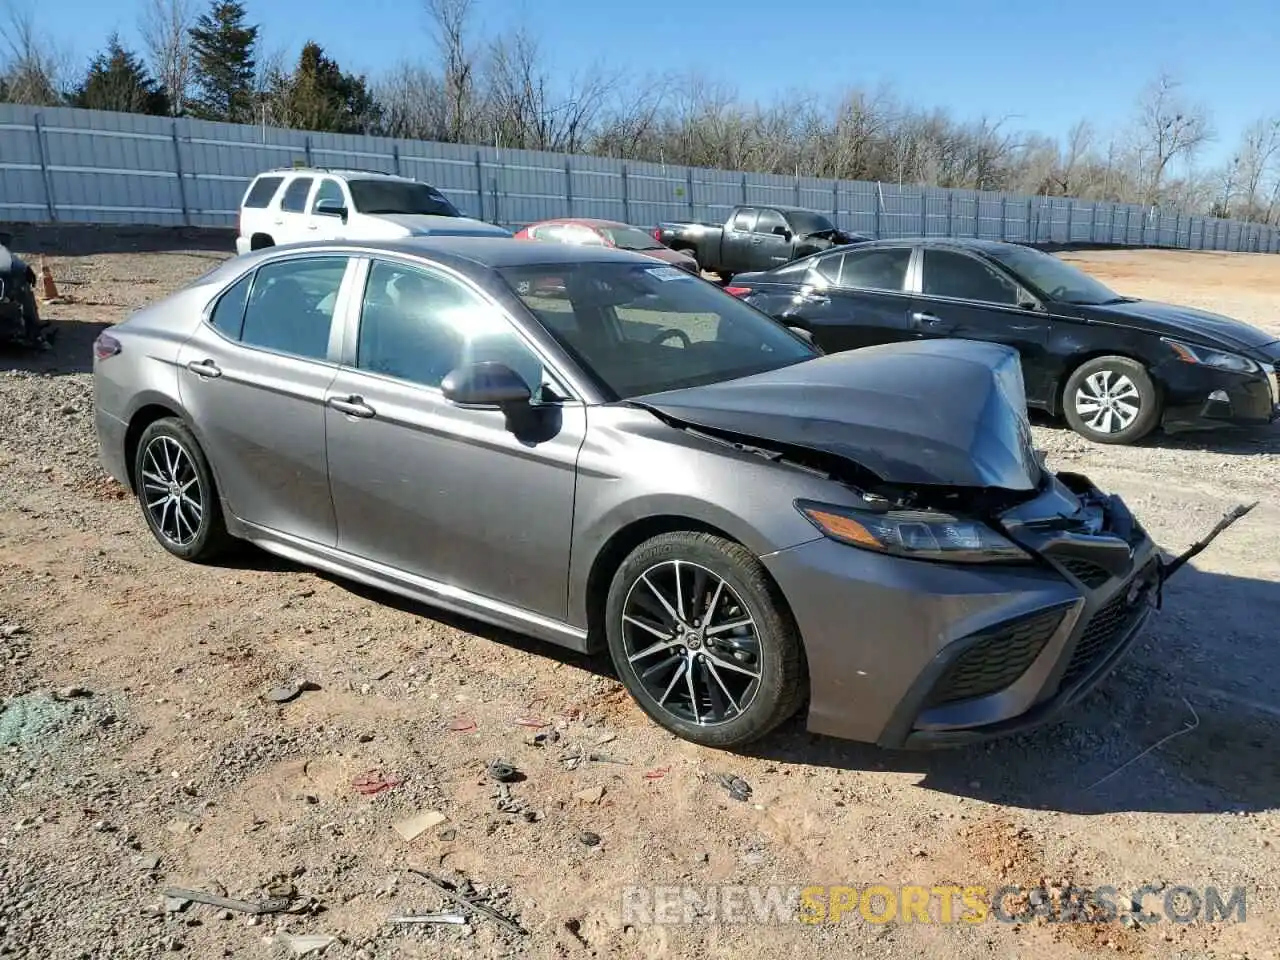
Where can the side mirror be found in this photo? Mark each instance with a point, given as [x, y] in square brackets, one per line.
[485, 384]
[331, 208]
[782, 232]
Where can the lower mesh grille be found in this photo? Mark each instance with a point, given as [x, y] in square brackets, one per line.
[996, 659]
[1086, 571]
[1102, 633]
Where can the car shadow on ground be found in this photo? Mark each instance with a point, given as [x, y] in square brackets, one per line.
[32, 240]
[71, 350]
[1188, 724]
[1227, 440]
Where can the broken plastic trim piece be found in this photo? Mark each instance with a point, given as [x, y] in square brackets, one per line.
[1167, 570]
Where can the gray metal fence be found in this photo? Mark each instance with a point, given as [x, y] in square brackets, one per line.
[85, 166]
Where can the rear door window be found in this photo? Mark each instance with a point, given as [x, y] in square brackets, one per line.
[875, 269]
[291, 305]
[295, 195]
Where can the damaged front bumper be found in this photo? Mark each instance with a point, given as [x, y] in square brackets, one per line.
[907, 654]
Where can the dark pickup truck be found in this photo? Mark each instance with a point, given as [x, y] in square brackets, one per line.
[754, 238]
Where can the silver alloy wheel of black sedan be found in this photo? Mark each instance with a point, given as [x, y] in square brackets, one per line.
[1111, 400]
[692, 641]
[1108, 401]
[173, 493]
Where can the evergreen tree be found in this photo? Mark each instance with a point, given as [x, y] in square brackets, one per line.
[318, 95]
[224, 48]
[118, 80]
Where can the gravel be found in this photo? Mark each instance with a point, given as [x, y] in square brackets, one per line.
[168, 767]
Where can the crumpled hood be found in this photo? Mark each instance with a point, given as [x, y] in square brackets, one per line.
[935, 412]
[435, 226]
[1166, 318]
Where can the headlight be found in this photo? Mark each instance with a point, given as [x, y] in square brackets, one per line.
[1212, 358]
[918, 534]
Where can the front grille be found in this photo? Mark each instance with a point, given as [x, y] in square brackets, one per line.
[1102, 633]
[1086, 571]
[996, 659]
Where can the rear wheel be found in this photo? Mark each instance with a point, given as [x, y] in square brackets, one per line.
[702, 640]
[176, 491]
[1111, 400]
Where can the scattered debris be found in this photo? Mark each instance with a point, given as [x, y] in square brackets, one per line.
[303, 944]
[607, 738]
[502, 771]
[469, 903]
[272, 905]
[448, 836]
[175, 904]
[463, 725]
[290, 691]
[605, 758]
[542, 739]
[148, 862]
[537, 722]
[657, 774]
[589, 839]
[72, 693]
[374, 781]
[454, 918]
[412, 827]
[738, 788]
[506, 803]
[11, 630]
[591, 795]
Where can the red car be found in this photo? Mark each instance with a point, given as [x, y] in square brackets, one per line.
[606, 233]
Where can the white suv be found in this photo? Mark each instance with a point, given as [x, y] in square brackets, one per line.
[298, 204]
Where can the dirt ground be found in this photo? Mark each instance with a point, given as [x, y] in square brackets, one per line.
[138, 751]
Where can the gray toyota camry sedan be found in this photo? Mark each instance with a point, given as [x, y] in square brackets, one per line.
[583, 445]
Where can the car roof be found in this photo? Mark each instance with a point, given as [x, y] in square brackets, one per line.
[336, 172]
[580, 222]
[956, 243]
[461, 251]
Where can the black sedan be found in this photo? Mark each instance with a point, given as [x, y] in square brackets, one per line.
[1115, 367]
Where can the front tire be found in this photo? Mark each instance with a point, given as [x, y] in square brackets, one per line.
[177, 494]
[703, 641]
[1111, 400]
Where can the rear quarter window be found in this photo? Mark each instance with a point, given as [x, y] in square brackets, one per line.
[263, 189]
[227, 316]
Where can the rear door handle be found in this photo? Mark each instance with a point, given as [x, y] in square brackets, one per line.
[929, 321]
[204, 368]
[352, 406]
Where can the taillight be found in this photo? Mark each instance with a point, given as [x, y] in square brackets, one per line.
[657, 234]
[737, 291]
[105, 346]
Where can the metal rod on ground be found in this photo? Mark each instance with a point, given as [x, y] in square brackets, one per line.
[471, 904]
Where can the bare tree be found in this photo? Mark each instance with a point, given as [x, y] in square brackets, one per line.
[1256, 159]
[30, 67]
[165, 26]
[1169, 128]
[451, 22]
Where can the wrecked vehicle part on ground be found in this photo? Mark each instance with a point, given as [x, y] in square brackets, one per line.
[19, 314]
[746, 524]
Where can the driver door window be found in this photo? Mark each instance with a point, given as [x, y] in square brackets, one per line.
[417, 325]
[961, 277]
[770, 220]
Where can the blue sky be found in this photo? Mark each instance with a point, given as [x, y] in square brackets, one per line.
[1042, 63]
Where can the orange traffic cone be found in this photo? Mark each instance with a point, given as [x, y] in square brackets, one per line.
[48, 289]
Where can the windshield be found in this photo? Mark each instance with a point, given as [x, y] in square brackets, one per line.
[639, 329]
[803, 222]
[1058, 279]
[398, 196]
[630, 238]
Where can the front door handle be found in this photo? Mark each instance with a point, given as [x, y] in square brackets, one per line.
[352, 406]
[204, 368]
